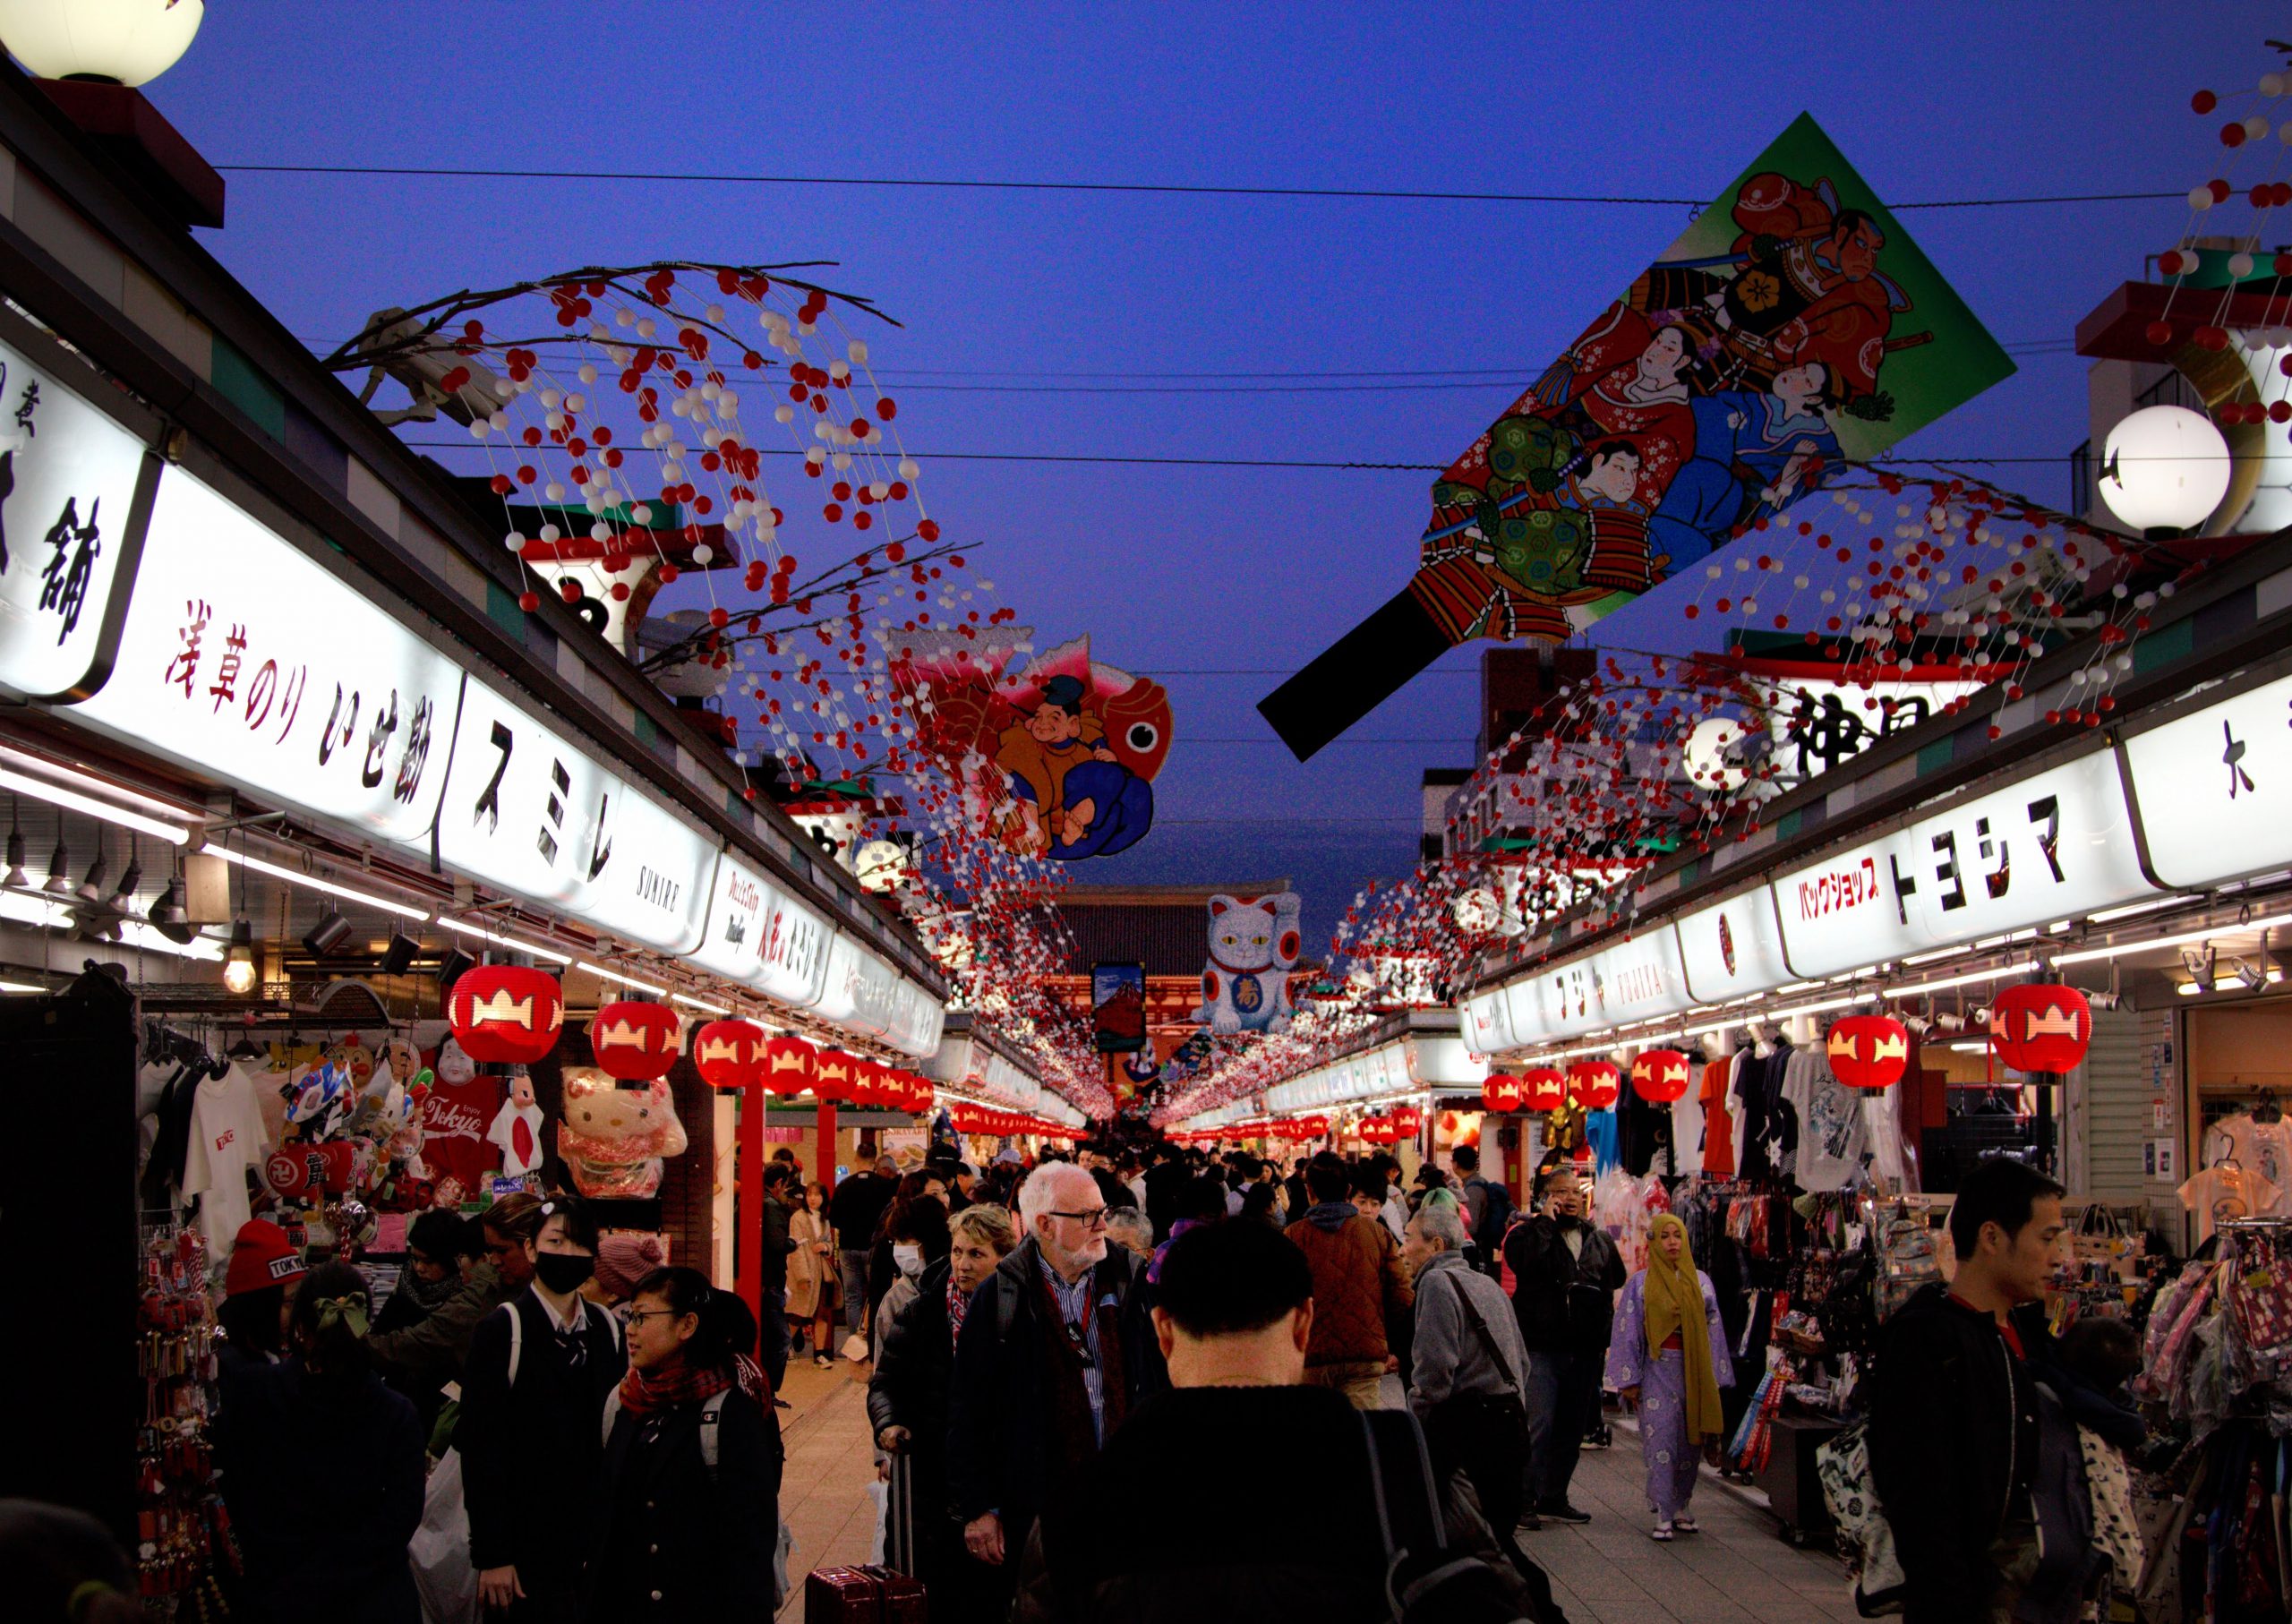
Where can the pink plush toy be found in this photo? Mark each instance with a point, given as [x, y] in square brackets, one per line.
[613, 1136]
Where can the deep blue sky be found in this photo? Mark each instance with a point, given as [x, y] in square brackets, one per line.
[1175, 571]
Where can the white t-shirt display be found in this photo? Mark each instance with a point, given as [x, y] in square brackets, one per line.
[227, 1138]
[2262, 1148]
[1687, 1122]
[1832, 1132]
[1882, 1130]
[2219, 1193]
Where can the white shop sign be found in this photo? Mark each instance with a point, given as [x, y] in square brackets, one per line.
[67, 489]
[2215, 789]
[1633, 981]
[1487, 1026]
[2053, 846]
[1734, 949]
[529, 812]
[241, 656]
[731, 945]
[793, 958]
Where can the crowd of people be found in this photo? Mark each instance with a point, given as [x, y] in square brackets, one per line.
[1058, 1353]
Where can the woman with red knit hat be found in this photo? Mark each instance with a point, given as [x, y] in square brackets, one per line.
[265, 1268]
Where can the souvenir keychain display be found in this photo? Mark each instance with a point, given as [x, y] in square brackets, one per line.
[182, 1532]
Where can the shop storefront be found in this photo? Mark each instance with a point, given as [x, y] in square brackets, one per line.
[287, 765]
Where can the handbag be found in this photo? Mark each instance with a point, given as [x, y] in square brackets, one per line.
[439, 1551]
[1843, 1465]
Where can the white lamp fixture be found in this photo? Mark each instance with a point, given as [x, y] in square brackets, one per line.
[2164, 469]
[128, 42]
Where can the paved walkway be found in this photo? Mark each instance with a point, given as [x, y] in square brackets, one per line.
[1737, 1570]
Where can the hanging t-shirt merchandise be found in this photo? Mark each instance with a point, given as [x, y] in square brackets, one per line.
[454, 1120]
[2226, 1191]
[1832, 1137]
[226, 1138]
[2263, 1148]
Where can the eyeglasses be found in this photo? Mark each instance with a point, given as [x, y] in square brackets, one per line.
[1094, 1218]
[653, 1313]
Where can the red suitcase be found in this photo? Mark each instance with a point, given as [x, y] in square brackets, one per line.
[862, 1595]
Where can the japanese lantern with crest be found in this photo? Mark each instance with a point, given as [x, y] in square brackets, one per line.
[1595, 1084]
[506, 1015]
[1543, 1088]
[1408, 1121]
[1660, 1076]
[2042, 1027]
[1869, 1051]
[730, 1054]
[831, 1075]
[634, 1041]
[788, 1062]
[1500, 1092]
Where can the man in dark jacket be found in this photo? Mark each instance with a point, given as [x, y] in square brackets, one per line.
[1168, 1175]
[1234, 1322]
[1566, 1273]
[1954, 1430]
[1050, 1359]
[853, 1210]
[418, 1348]
[772, 1272]
[1488, 1210]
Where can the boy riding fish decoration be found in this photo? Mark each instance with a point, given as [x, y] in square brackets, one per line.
[1732, 378]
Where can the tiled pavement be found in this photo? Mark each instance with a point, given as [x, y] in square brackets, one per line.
[1608, 1571]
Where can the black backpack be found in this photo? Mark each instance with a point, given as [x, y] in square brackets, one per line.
[1424, 1580]
[1495, 1217]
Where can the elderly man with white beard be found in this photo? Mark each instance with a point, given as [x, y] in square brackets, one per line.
[1053, 1354]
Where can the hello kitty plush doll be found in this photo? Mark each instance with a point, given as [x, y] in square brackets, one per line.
[612, 1138]
[1253, 944]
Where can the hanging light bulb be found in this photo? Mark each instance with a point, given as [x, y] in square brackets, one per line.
[16, 876]
[169, 916]
[92, 888]
[238, 963]
[123, 900]
[59, 870]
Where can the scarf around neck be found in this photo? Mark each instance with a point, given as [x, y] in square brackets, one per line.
[678, 1381]
[1673, 1298]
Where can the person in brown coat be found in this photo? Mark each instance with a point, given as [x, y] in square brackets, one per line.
[1358, 1281]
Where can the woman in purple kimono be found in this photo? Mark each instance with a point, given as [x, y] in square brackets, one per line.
[1669, 1358]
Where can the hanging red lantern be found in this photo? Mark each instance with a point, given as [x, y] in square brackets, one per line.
[1500, 1092]
[831, 1075]
[506, 1015]
[1409, 1122]
[1869, 1051]
[870, 1080]
[1595, 1084]
[1543, 1088]
[634, 1041]
[730, 1054]
[2043, 1027]
[1660, 1076]
[788, 1062]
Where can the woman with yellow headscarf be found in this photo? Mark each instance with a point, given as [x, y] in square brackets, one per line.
[1669, 1357]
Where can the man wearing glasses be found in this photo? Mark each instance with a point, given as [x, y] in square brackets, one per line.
[1050, 1362]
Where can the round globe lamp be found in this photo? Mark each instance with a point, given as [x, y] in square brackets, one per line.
[2164, 469]
[128, 42]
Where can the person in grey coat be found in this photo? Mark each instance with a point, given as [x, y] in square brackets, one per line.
[1468, 1368]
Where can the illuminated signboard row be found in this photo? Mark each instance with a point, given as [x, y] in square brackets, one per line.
[144, 603]
[1419, 1060]
[2195, 801]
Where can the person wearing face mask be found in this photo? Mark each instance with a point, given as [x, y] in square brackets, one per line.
[919, 1237]
[1566, 1273]
[883, 1258]
[534, 1390]
[688, 1497]
[907, 1403]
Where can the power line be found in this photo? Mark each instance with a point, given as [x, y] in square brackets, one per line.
[1403, 194]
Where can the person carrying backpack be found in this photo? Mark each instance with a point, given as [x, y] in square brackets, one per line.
[1381, 1538]
[1488, 1210]
[688, 1509]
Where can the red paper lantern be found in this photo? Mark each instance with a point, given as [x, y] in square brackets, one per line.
[2044, 1027]
[1595, 1084]
[1501, 1093]
[291, 1169]
[1409, 1122]
[1869, 1051]
[633, 1041]
[506, 1015]
[1660, 1076]
[788, 1062]
[1543, 1088]
[870, 1081]
[730, 1054]
[831, 1075]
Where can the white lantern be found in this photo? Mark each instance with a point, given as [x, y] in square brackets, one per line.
[2165, 468]
[130, 42]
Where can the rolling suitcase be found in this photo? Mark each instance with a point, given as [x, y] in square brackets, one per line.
[899, 1518]
[862, 1595]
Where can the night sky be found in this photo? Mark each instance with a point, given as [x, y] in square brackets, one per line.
[1220, 580]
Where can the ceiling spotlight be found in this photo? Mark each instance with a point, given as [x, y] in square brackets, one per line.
[238, 962]
[324, 937]
[16, 876]
[2253, 976]
[92, 888]
[451, 966]
[399, 957]
[59, 870]
[2202, 967]
[123, 900]
[168, 915]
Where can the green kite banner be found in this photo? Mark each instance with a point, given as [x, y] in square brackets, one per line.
[1794, 327]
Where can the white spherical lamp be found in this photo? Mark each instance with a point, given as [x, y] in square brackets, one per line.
[2164, 469]
[128, 42]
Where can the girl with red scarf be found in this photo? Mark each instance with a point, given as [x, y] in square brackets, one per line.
[689, 1496]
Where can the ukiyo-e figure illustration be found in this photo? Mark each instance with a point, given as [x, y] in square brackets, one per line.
[1058, 757]
[1793, 326]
